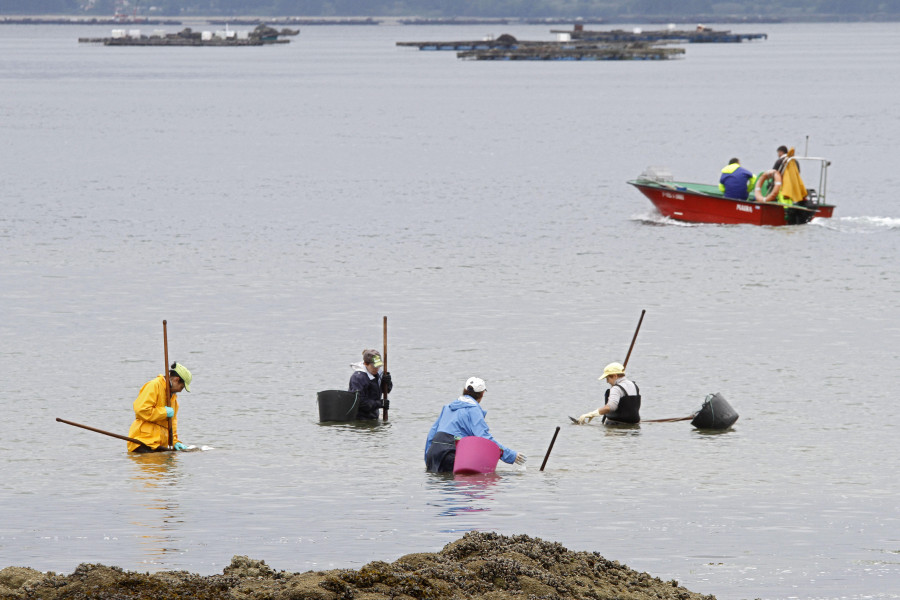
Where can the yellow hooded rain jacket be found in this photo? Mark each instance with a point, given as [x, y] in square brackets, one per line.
[150, 422]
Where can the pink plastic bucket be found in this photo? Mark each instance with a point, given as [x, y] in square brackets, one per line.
[475, 455]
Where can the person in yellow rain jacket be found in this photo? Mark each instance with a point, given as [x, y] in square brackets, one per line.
[151, 415]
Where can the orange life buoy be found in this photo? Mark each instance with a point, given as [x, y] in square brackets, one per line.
[775, 176]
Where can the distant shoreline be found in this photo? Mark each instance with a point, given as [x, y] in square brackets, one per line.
[414, 20]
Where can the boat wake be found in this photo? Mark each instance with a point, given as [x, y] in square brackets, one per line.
[658, 220]
[861, 225]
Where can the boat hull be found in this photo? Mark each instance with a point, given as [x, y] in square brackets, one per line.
[678, 202]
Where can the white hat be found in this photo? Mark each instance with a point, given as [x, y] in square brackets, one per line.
[476, 384]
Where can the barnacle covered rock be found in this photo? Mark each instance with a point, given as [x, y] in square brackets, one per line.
[478, 566]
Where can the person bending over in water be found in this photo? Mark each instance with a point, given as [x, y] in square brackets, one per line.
[622, 403]
[151, 415]
[461, 418]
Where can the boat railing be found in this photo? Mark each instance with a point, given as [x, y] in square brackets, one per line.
[657, 174]
[816, 195]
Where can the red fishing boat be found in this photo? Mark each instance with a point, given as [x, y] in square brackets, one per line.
[704, 203]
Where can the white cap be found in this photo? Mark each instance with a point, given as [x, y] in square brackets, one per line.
[476, 384]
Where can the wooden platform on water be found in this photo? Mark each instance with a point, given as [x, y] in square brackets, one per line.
[701, 35]
[501, 42]
[507, 47]
[569, 51]
[261, 36]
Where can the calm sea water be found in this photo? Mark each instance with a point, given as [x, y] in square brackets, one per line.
[274, 203]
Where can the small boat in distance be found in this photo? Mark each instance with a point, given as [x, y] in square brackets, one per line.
[705, 203]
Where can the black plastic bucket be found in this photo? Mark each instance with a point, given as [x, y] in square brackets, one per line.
[715, 413]
[337, 405]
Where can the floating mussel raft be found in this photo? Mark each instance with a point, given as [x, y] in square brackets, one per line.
[507, 47]
[700, 35]
[260, 36]
[568, 51]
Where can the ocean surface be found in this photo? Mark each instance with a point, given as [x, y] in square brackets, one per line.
[274, 203]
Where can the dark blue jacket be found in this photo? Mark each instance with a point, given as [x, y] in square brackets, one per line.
[736, 182]
[369, 389]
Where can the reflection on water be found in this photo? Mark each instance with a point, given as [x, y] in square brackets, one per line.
[156, 477]
[368, 426]
[463, 495]
[622, 431]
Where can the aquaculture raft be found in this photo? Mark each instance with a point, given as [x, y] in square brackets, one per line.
[569, 51]
[507, 47]
[698, 36]
[260, 36]
[504, 41]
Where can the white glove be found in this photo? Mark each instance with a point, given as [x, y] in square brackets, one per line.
[520, 459]
[587, 417]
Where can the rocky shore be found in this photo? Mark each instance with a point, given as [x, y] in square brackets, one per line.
[478, 566]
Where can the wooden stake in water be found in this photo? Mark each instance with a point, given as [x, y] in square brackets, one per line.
[168, 386]
[553, 441]
[633, 339]
[384, 396]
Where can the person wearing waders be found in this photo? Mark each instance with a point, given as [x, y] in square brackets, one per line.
[461, 418]
[151, 415]
[622, 404]
[369, 380]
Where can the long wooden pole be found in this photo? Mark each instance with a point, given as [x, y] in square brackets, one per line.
[168, 385]
[627, 356]
[110, 434]
[384, 411]
[553, 441]
[633, 339]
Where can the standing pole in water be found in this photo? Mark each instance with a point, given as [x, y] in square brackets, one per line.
[550, 449]
[633, 339]
[384, 396]
[168, 386]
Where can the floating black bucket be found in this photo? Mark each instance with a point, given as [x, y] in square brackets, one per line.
[715, 413]
[337, 405]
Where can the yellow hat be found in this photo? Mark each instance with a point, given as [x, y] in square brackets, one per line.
[612, 369]
[184, 374]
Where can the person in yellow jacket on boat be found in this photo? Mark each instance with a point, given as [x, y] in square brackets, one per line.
[151, 415]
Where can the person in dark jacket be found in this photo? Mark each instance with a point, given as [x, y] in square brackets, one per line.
[736, 181]
[782, 157]
[370, 380]
[461, 418]
[622, 404]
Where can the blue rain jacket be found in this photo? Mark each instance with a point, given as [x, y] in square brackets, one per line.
[736, 182]
[463, 417]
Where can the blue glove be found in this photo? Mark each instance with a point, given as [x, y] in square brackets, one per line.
[170, 412]
[180, 446]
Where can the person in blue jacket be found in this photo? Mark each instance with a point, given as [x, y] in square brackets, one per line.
[736, 181]
[370, 380]
[462, 417]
